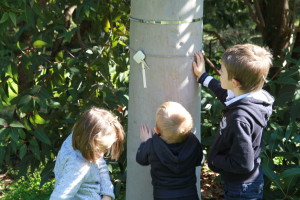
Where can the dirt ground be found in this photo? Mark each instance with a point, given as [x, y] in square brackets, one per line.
[210, 189]
[4, 181]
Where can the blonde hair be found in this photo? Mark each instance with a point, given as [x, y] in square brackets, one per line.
[89, 134]
[173, 121]
[249, 64]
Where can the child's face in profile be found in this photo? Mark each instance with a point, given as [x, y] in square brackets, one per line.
[225, 83]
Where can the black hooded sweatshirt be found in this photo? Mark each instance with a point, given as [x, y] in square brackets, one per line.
[173, 166]
[237, 144]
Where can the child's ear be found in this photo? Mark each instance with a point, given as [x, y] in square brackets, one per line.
[156, 130]
[236, 83]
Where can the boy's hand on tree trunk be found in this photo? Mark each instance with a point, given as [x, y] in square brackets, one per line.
[145, 133]
[199, 64]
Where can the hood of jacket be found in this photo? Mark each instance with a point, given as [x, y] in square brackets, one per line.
[177, 157]
[258, 106]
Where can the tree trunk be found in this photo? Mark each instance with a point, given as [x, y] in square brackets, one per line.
[169, 50]
[275, 20]
[278, 29]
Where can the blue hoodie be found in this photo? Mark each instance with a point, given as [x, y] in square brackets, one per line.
[173, 166]
[235, 152]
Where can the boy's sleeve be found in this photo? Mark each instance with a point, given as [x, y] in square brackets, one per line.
[240, 158]
[106, 185]
[200, 156]
[214, 85]
[72, 177]
[142, 155]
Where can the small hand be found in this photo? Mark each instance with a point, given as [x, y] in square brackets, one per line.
[105, 197]
[145, 133]
[199, 64]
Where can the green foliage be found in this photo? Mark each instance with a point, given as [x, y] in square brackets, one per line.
[27, 188]
[57, 59]
[281, 156]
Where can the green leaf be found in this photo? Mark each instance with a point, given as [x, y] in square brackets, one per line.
[86, 11]
[4, 18]
[3, 122]
[110, 168]
[290, 173]
[25, 99]
[286, 80]
[3, 95]
[89, 51]
[23, 151]
[37, 119]
[16, 124]
[35, 89]
[39, 44]
[107, 26]
[21, 133]
[3, 131]
[18, 45]
[40, 134]
[122, 43]
[14, 134]
[35, 149]
[271, 175]
[13, 18]
[2, 153]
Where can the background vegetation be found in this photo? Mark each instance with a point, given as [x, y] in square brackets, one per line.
[59, 57]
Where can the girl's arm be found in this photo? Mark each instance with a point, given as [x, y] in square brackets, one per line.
[106, 186]
[72, 176]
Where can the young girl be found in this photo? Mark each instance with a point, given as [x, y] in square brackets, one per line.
[80, 170]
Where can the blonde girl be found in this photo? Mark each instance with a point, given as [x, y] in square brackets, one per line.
[80, 170]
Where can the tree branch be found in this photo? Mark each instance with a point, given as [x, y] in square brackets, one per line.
[218, 36]
[259, 15]
[58, 41]
[253, 16]
[211, 64]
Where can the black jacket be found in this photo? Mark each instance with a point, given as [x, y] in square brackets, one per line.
[237, 145]
[173, 166]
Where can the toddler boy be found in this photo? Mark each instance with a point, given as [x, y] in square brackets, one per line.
[173, 152]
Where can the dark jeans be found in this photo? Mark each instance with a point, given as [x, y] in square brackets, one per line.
[245, 191]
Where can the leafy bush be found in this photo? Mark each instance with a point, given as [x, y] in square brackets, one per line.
[281, 156]
[57, 59]
[28, 188]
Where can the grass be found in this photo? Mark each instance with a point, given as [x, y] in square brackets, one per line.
[25, 188]
[28, 188]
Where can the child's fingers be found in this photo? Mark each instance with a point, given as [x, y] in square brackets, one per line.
[198, 57]
[201, 56]
[195, 66]
[150, 132]
[142, 128]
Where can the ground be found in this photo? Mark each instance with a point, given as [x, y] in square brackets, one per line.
[5, 180]
[210, 189]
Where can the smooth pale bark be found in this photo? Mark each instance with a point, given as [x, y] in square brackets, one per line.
[169, 50]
